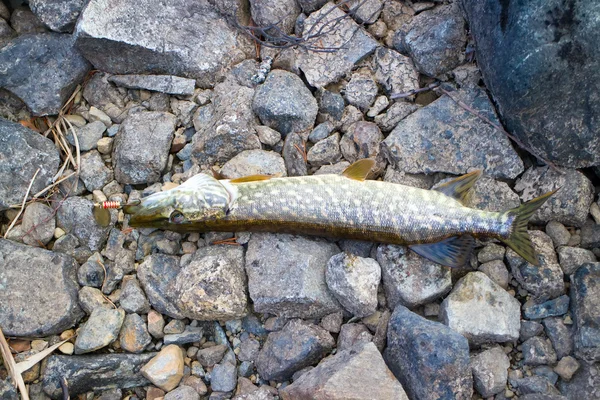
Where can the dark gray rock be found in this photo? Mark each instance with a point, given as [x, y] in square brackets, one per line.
[90, 298]
[365, 11]
[91, 273]
[585, 384]
[38, 224]
[410, 279]
[223, 377]
[444, 137]
[585, 307]
[538, 351]
[42, 70]
[544, 281]
[491, 252]
[560, 335]
[294, 158]
[394, 114]
[420, 351]
[571, 258]
[361, 90]
[321, 131]
[210, 356]
[352, 44]
[325, 152]
[94, 373]
[590, 235]
[22, 152]
[100, 93]
[435, 39]
[254, 162]
[155, 274]
[200, 45]
[132, 298]
[490, 371]
[532, 56]
[30, 277]
[134, 336]
[280, 13]
[158, 83]
[286, 275]
[284, 103]
[331, 105]
[354, 373]
[75, 216]
[570, 205]
[24, 22]
[535, 385]
[298, 345]
[395, 72]
[362, 140]
[550, 308]
[141, 147]
[309, 6]
[529, 329]
[100, 330]
[6, 33]
[58, 15]
[482, 311]
[94, 173]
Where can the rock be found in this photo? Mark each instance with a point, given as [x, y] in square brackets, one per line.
[100, 330]
[298, 345]
[91, 273]
[294, 158]
[249, 350]
[134, 336]
[532, 56]
[590, 235]
[490, 371]
[90, 298]
[381, 103]
[210, 356]
[497, 272]
[567, 367]
[365, 12]
[286, 275]
[22, 153]
[30, 276]
[42, 70]
[268, 136]
[156, 274]
[411, 342]
[212, 285]
[94, 173]
[165, 369]
[94, 372]
[38, 224]
[351, 42]
[491, 252]
[544, 281]
[558, 233]
[482, 311]
[354, 373]
[353, 281]
[281, 14]
[201, 45]
[158, 83]
[132, 298]
[74, 216]
[97, 115]
[492, 195]
[362, 140]
[395, 72]
[570, 205]
[223, 377]
[585, 308]
[189, 335]
[60, 16]
[535, 386]
[142, 146]
[183, 392]
[331, 105]
[24, 22]
[321, 131]
[396, 113]
[584, 384]
[361, 91]
[410, 279]
[156, 324]
[550, 308]
[538, 351]
[284, 103]
[529, 329]
[560, 335]
[571, 258]
[100, 93]
[435, 39]
[309, 6]
[88, 135]
[452, 139]
[326, 151]
[6, 33]
[254, 162]
[352, 335]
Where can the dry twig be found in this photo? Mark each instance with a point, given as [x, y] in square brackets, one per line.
[14, 221]
[13, 370]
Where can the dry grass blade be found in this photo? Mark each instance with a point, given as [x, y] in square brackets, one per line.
[37, 357]
[13, 370]
[14, 221]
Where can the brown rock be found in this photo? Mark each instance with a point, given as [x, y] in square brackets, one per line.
[165, 370]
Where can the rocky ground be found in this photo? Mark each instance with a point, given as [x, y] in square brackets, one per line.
[158, 91]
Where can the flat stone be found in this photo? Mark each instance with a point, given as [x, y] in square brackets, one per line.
[94, 173]
[544, 281]
[412, 340]
[394, 72]
[210, 356]
[496, 271]
[571, 258]
[570, 205]
[87, 135]
[326, 151]
[134, 336]
[189, 335]
[42, 70]
[158, 83]
[298, 345]
[354, 373]
[394, 114]
[444, 137]
[532, 67]
[353, 281]
[361, 90]
[550, 308]
[351, 42]
[22, 153]
[482, 311]
[156, 274]
[29, 277]
[536, 387]
[223, 377]
[254, 162]
[560, 335]
[284, 103]
[490, 371]
[286, 275]
[101, 329]
[141, 147]
[60, 16]
[410, 279]
[538, 351]
[74, 216]
[281, 14]
[94, 373]
[165, 369]
[585, 308]
[201, 45]
[38, 224]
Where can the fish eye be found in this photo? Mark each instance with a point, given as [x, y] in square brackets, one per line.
[176, 217]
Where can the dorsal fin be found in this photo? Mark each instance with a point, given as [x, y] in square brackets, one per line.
[460, 188]
[451, 252]
[360, 169]
[251, 178]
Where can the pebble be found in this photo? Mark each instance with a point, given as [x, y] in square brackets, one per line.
[92, 272]
[361, 90]
[67, 348]
[561, 336]
[101, 329]
[331, 106]
[352, 334]
[571, 258]
[91, 298]
[538, 351]
[165, 370]
[332, 322]
[380, 104]
[394, 72]
[497, 272]
[189, 335]
[558, 233]
[249, 349]
[585, 304]
[396, 113]
[175, 326]
[550, 308]
[490, 371]
[210, 356]
[491, 252]
[529, 329]
[254, 162]
[132, 298]
[134, 336]
[566, 367]
[155, 274]
[267, 135]
[362, 140]
[94, 173]
[88, 135]
[105, 145]
[326, 151]
[223, 377]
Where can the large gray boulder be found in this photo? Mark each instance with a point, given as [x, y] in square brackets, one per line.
[533, 56]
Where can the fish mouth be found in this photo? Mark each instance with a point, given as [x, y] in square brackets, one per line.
[148, 212]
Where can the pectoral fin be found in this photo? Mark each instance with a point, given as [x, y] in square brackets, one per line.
[460, 188]
[451, 252]
[360, 169]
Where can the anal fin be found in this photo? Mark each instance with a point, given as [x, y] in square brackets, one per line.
[451, 252]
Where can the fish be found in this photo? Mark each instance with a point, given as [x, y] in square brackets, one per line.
[436, 224]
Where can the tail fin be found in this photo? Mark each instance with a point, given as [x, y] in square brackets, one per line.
[519, 239]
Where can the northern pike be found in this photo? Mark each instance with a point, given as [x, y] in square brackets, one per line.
[434, 223]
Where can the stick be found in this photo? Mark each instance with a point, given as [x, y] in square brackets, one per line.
[14, 221]
[12, 367]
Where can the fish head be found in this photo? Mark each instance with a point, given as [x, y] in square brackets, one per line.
[199, 199]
